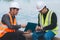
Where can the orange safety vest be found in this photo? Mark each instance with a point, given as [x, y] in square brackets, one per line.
[4, 29]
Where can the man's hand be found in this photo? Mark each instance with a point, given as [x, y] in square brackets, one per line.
[38, 28]
[23, 25]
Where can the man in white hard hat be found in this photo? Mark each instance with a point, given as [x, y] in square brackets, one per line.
[47, 23]
[9, 20]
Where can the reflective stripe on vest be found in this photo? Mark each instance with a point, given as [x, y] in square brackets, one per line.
[11, 20]
[47, 21]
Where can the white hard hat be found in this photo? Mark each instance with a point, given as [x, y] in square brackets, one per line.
[40, 5]
[14, 5]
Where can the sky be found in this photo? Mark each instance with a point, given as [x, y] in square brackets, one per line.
[28, 11]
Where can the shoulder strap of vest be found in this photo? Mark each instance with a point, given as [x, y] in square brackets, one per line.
[11, 20]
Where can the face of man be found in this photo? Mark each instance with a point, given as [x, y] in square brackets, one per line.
[14, 11]
[43, 11]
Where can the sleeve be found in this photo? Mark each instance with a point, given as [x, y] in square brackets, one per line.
[6, 20]
[38, 19]
[53, 23]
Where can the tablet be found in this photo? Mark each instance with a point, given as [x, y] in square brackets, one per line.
[31, 26]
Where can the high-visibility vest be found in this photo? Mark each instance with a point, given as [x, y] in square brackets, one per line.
[4, 29]
[11, 20]
[47, 21]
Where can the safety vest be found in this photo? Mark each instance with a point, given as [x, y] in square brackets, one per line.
[47, 21]
[4, 29]
[11, 20]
